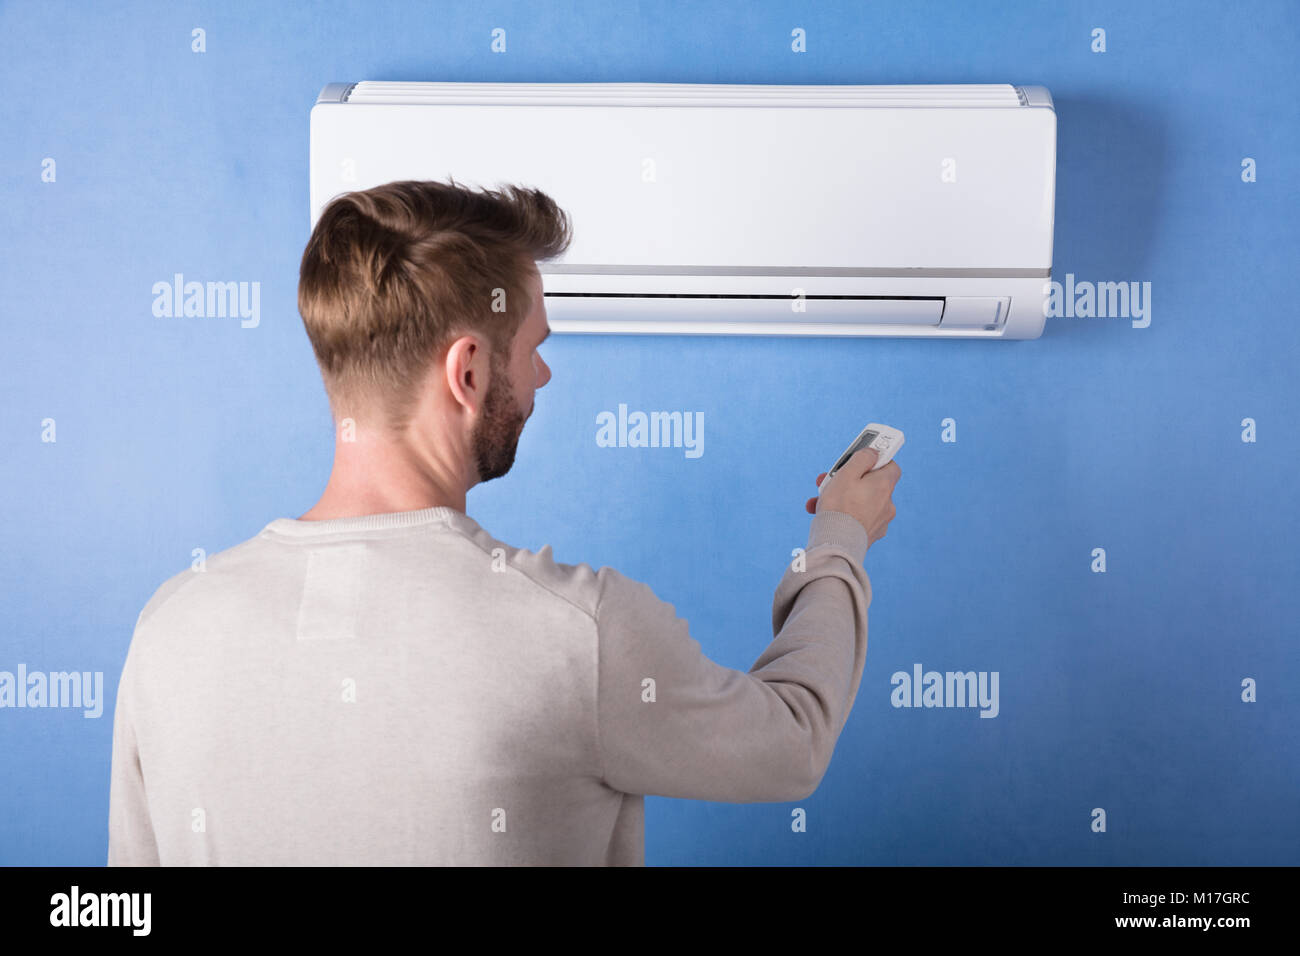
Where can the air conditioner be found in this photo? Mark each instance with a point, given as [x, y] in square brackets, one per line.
[712, 209]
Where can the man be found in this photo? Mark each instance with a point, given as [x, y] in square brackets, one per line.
[382, 682]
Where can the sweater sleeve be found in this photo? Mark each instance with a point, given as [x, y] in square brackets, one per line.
[706, 732]
[130, 830]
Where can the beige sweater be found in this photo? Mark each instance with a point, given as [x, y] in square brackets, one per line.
[404, 689]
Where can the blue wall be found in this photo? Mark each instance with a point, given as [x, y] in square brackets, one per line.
[1120, 690]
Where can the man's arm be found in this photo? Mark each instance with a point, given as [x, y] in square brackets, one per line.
[130, 830]
[713, 733]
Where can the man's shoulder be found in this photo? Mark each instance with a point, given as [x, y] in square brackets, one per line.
[578, 584]
[204, 571]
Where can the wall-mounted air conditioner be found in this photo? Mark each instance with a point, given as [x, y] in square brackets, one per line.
[787, 210]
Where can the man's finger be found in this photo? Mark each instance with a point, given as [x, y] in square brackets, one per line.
[863, 460]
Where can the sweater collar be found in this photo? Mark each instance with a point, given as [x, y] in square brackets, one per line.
[294, 527]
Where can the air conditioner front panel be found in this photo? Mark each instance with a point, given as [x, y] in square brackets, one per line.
[767, 187]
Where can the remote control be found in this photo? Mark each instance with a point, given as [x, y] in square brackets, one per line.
[885, 440]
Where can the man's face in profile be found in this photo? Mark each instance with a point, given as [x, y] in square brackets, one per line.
[509, 401]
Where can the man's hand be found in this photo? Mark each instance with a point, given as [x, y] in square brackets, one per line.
[858, 491]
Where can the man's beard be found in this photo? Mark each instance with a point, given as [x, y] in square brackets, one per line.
[496, 434]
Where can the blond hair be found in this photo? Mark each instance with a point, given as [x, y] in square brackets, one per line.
[391, 276]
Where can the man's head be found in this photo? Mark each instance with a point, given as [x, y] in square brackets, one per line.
[423, 304]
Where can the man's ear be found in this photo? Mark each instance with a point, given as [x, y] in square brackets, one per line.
[466, 369]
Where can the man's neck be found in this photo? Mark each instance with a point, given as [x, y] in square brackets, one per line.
[371, 477]
[357, 505]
